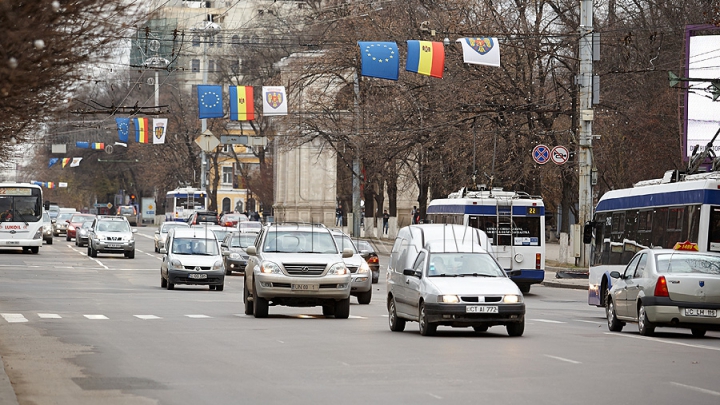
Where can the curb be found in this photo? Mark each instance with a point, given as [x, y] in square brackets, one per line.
[7, 393]
[556, 284]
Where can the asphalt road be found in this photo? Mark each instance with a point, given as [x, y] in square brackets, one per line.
[77, 330]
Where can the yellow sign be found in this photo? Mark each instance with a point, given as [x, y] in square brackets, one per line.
[109, 205]
[687, 245]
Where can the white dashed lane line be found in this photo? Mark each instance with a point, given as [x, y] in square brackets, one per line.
[50, 316]
[670, 342]
[545, 320]
[147, 317]
[562, 359]
[14, 318]
[698, 389]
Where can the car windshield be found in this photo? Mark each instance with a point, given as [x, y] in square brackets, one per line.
[167, 226]
[127, 211]
[463, 264]
[46, 217]
[249, 225]
[365, 246]
[683, 263]
[87, 224]
[195, 246]
[344, 242]
[64, 217]
[113, 226]
[299, 242]
[81, 218]
[243, 240]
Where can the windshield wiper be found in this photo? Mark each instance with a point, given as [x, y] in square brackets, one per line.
[22, 218]
[476, 275]
[444, 275]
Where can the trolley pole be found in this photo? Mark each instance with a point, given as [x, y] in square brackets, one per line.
[585, 200]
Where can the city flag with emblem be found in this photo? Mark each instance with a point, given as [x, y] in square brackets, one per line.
[481, 51]
[274, 100]
[141, 130]
[76, 162]
[210, 104]
[159, 129]
[242, 103]
[123, 128]
[380, 59]
[426, 58]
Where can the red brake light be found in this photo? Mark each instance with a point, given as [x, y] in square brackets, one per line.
[538, 260]
[661, 289]
[372, 260]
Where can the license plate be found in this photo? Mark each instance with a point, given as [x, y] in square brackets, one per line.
[481, 309]
[114, 245]
[305, 287]
[197, 275]
[710, 313]
[12, 242]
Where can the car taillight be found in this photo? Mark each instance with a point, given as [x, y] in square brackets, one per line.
[538, 260]
[661, 289]
[373, 260]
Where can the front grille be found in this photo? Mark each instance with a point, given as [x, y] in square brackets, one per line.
[281, 285]
[469, 299]
[305, 269]
[353, 269]
[113, 238]
[201, 267]
[328, 286]
[477, 299]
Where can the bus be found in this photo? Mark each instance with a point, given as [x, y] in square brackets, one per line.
[21, 209]
[514, 222]
[652, 213]
[181, 203]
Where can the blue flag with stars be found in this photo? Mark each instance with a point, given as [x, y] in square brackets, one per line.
[210, 104]
[123, 127]
[380, 59]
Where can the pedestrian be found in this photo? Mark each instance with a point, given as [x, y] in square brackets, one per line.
[413, 215]
[386, 218]
[339, 215]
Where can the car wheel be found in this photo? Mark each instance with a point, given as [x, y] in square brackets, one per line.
[130, 254]
[212, 287]
[228, 271]
[170, 286]
[49, 241]
[328, 310]
[515, 328]
[426, 328]
[92, 252]
[163, 282]
[246, 299]
[220, 287]
[364, 298]
[76, 242]
[261, 306]
[480, 328]
[375, 277]
[524, 288]
[645, 327]
[698, 332]
[34, 249]
[396, 324]
[342, 309]
[614, 325]
[67, 237]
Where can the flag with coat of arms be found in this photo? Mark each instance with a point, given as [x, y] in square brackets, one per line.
[159, 129]
[274, 100]
[481, 51]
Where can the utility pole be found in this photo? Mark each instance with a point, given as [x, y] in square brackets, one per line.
[356, 163]
[585, 200]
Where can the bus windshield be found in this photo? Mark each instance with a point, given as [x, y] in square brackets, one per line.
[20, 204]
[525, 230]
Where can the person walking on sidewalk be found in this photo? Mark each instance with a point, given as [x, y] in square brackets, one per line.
[386, 218]
[339, 215]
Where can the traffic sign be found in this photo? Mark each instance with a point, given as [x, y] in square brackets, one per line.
[559, 155]
[234, 139]
[541, 154]
[207, 141]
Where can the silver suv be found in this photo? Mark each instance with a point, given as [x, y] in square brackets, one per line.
[111, 235]
[297, 265]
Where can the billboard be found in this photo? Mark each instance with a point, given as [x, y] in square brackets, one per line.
[702, 114]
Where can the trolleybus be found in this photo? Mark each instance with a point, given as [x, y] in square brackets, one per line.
[653, 213]
[514, 222]
[21, 208]
[181, 203]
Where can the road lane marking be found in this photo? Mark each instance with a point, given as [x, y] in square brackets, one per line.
[14, 318]
[198, 316]
[698, 389]
[147, 317]
[95, 317]
[91, 258]
[593, 322]
[662, 341]
[50, 316]
[545, 320]
[357, 317]
[435, 396]
[562, 359]
[145, 236]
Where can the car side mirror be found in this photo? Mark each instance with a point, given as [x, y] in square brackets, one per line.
[251, 250]
[615, 274]
[409, 272]
[163, 250]
[157, 232]
[347, 252]
[223, 244]
[134, 231]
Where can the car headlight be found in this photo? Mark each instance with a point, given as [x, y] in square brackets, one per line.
[175, 263]
[448, 299]
[338, 269]
[70, 227]
[234, 255]
[218, 265]
[364, 268]
[270, 268]
[511, 299]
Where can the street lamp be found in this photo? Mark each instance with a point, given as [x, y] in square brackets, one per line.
[156, 63]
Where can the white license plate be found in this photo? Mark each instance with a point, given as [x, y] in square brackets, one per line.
[197, 275]
[12, 242]
[481, 309]
[710, 313]
[305, 287]
[114, 245]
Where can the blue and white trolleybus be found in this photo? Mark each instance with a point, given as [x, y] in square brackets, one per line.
[181, 203]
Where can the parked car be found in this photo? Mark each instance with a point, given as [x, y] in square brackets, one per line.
[47, 228]
[678, 288]
[359, 269]
[129, 212]
[231, 219]
[60, 225]
[111, 234]
[249, 226]
[162, 232]
[203, 217]
[82, 232]
[233, 250]
[192, 257]
[453, 281]
[75, 221]
[288, 265]
[368, 252]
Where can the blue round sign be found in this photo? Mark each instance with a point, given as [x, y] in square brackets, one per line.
[541, 154]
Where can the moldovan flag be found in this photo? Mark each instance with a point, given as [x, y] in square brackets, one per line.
[76, 162]
[159, 130]
[98, 145]
[481, 51]
[50, 184]
[141, 130]
[274, 100]
[65, 161]
[242, 103]
[426, 58]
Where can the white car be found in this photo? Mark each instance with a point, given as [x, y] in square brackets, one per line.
[193, 257]
[162, 232]
[361, 286]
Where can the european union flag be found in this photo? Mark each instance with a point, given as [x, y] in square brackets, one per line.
[123, 127]
[53, 161]
[380, 59]
[210, 103]
[82, 145]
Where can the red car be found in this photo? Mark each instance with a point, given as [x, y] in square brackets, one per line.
[232, 219]
[76, 221]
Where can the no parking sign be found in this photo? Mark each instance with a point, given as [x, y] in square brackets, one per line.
[541, 154]
[559, 155]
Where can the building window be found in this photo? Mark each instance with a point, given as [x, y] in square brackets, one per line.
[195, 65]
[227, 175]
[195, 40]
[211, 66]
[219, 41]
[236, 41]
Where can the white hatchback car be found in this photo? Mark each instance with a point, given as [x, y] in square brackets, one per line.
[193, 257]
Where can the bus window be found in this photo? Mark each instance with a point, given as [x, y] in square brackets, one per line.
[714, 230]
[691, 230]
[674, 226]
[645, 220]
[659, 227]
